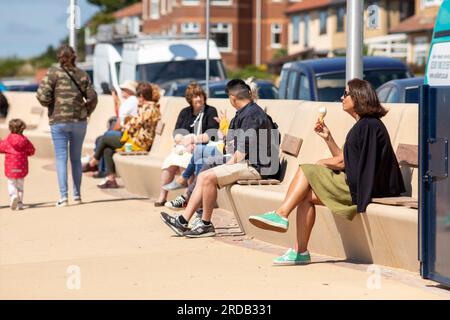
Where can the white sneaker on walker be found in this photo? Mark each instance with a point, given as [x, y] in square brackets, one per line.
[62, 203]
[13, 202]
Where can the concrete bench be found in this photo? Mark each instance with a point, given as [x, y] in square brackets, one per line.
[387, 234]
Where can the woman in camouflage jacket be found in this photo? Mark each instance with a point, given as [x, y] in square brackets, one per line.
[68, 94]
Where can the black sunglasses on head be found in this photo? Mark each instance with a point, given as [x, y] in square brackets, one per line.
[346, 93]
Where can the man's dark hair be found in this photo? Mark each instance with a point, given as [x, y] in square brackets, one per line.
[17, 126]
[239, 89]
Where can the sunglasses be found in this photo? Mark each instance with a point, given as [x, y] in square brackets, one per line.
[346, 94]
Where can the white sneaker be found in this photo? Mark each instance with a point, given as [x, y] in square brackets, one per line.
[13, 202]
[77, 200]
[20, 205]
[85, 159]
[62, 203]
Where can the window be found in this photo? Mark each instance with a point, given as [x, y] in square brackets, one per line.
[292, 84]
[154, 9]
[431, 3]
[412, 95]
[283, 84]
[330, 87]
[163, 72]
[190, 2]
[381, 76]
[304, 89]
[394, 96]
[221, 34]
[406, 9]
[296, 29]
[275, 32]
[306, 30]
[340, 14]
[420, 51]
[190, 28]
[222, 2]
[384, 93]
[323, 22]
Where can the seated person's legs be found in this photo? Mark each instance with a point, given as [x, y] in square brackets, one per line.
[201, 153]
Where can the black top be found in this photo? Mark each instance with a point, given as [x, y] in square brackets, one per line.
[370, 164]
[251, 133]
[188, 123]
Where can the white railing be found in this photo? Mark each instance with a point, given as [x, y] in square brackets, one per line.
[394, 46]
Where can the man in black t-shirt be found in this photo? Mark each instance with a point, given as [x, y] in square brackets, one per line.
[252, 154]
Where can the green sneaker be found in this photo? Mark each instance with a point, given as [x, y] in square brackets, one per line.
[291, 258]
[270, 221]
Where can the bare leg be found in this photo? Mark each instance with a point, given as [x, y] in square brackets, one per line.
[167, 176]
[196, 198]
[306, 217]
[93, 162]
[209, 194]
[298, 190]
[111, 177]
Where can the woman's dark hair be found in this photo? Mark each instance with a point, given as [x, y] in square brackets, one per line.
[194, 89]
[365, 99]
[17, 126]
[145, 90]
[239, 89]
[67, 57]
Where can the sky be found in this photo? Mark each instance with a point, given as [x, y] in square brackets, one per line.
[28, 27]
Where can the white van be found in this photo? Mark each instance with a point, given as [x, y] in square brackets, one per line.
[107, 59]
[163, 61]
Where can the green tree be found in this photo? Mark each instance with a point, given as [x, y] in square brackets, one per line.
[108, 6]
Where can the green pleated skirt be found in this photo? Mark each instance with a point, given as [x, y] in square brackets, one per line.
[331, 188]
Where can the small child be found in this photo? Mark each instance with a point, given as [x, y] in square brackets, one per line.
[17, 149]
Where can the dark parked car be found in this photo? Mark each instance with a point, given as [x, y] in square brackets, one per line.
[324, 79]
[266, 89]
[24, 87]
[400, 91]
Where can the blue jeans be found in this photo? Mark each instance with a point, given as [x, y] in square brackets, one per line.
[201, 152]
[68, 137]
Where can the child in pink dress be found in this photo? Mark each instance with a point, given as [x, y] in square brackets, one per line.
[17, 149]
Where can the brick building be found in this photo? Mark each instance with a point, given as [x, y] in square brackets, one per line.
[234, 25]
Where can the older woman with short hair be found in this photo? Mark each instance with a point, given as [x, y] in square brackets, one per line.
[195, 125]
[346, 183]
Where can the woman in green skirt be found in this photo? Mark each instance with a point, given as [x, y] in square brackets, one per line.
[346, 183]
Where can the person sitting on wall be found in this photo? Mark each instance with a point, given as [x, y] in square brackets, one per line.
[250, 139]
[366, 167]
[194, 128]
[139, 131]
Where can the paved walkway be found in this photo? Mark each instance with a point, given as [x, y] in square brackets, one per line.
[116, 247]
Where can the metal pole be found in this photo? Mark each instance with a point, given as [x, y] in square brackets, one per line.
[207, 47]
[258, 33]
[354, 68]
[72, 31]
